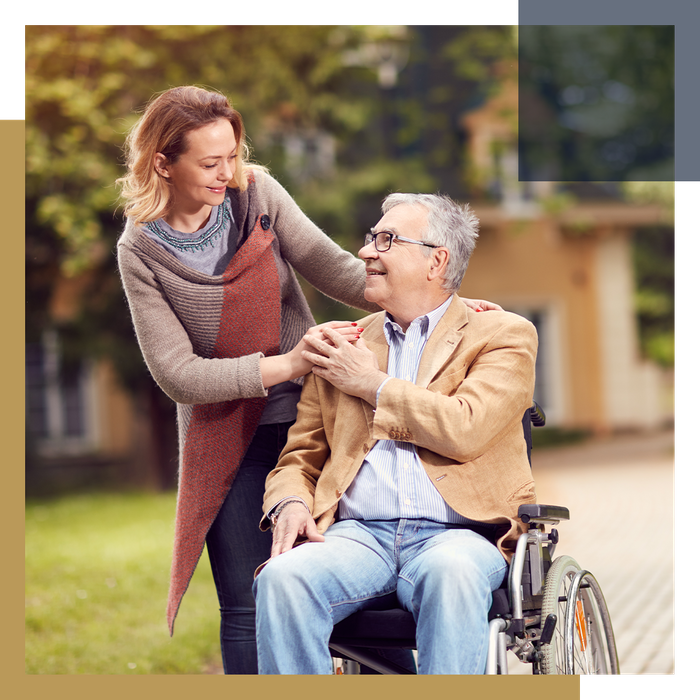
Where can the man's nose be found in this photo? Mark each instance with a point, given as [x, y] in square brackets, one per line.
[368, 251]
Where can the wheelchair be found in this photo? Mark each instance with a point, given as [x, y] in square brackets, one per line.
[549, 612]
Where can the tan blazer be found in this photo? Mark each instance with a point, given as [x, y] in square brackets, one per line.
[475, 381]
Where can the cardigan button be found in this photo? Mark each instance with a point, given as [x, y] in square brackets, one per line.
[265, 222]
[338, 494]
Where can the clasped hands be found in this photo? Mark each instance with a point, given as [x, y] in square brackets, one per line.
[344, 361]
[337, 353]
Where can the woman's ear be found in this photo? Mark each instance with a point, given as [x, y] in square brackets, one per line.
[160, 162]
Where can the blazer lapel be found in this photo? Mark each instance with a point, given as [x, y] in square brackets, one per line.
[441, 345]
[443, 342]
[373, 335]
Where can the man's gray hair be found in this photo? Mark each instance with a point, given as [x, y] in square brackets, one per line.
[452, 225]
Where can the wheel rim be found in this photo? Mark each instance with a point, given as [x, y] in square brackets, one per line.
[583, 642]
[588, 632]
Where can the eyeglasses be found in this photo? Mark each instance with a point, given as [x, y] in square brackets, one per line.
[383, 239]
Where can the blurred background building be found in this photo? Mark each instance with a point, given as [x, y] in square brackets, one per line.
[342, 116]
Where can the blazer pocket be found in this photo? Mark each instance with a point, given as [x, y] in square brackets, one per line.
[447, 383]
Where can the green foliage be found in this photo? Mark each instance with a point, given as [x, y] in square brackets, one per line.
[654, 268]
[97, 571]
[654, 296]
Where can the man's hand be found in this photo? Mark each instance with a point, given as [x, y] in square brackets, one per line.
[290, 365]
[352, 368]
[295, 521]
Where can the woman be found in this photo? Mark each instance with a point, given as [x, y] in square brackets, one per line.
[207, 260]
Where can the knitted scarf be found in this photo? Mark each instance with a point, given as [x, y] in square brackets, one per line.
[218, 434]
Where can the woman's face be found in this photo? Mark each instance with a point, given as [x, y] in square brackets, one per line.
[200, 175]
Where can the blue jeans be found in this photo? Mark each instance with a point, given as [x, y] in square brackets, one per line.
[443, 574]
[236, 547]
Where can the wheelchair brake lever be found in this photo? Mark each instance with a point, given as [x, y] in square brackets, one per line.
[548, 629]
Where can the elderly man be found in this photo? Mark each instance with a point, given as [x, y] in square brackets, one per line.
[407, 463]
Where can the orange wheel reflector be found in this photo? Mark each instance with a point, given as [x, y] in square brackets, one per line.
[581, 625]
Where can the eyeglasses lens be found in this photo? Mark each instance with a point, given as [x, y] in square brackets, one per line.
[382, 240]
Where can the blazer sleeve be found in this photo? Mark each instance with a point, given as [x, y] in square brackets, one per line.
[303, 457]
[466, 410]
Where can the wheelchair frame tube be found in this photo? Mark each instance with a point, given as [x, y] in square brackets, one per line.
[515, 576]
[384, 666]
[497, 647]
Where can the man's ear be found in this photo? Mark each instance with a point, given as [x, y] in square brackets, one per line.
[439, 258]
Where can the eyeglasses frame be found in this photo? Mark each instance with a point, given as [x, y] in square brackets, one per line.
[394, 236]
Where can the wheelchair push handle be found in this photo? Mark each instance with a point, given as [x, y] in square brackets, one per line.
[537, 417]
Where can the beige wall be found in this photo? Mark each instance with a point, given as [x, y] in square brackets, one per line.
[530, 264]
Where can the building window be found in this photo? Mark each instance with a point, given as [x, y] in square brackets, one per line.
[538, 319]
[549, 391]
[58, 402]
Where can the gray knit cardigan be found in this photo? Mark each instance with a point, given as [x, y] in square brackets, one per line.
[176, 312]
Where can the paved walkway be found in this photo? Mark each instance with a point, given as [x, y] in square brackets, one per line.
[620, 495]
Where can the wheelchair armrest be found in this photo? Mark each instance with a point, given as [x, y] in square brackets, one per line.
[539, 512]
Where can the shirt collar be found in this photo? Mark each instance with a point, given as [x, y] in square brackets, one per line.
[427, 322]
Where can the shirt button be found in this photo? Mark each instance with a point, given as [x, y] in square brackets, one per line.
[407, 502]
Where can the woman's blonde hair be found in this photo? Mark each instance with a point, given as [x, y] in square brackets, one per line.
[163, 128]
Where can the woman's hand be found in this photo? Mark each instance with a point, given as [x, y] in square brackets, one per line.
[481, 305]
[347, 329]
[290, 365]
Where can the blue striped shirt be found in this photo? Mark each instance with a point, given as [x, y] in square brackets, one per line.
[392, 482]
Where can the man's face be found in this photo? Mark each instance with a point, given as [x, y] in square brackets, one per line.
[397, 277]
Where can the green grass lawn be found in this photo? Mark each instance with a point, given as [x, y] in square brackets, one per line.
[96, 582]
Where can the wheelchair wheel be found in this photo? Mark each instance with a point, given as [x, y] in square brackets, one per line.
[583, 641]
